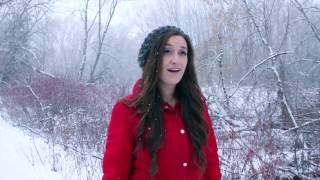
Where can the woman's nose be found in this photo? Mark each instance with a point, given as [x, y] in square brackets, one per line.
[175, 57]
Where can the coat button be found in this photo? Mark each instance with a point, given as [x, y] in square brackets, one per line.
[182, 131]
[184, 164]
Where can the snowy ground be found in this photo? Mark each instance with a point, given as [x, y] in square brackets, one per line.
[24, 157]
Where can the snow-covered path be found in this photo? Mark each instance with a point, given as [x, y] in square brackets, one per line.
[18, 159]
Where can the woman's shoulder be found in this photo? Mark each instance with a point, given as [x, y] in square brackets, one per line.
[122, 113]
[136, 90]
[122, 104]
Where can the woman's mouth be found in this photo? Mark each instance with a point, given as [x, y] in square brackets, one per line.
[174, 70]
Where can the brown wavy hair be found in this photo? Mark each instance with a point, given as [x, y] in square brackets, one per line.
[187, 93]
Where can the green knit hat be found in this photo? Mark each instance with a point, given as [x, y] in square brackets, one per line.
[151, 39]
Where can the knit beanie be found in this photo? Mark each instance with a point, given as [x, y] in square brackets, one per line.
[151, 39]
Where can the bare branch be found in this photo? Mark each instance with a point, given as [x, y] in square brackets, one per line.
[263, 39]
[274, 69]
[286, 33]
[37, 70]
[304, 60]
[85, 41]
[310, 60]
[5, 2]
[314, 28]
[108, 21]
[254, 68]
[301, 126]
[62, 144]
[219, 59]
[44, 73]
[284, 98]
[35, 96]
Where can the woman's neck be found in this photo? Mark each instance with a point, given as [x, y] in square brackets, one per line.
[167, 93]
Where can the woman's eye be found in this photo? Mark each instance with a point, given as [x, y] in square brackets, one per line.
[167, 51]
[184, 53]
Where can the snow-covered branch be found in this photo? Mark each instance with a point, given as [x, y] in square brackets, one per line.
[274, 69]
[35, 96]
[263, 39]
[305, 60]
[45, 73]
[302, 125]
[314, 28]
[254, 68]
[284, 98]
[37, 70]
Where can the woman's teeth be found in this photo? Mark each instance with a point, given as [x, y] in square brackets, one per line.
[174, 70]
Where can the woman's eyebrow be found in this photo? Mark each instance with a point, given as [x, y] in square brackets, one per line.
[182, 47]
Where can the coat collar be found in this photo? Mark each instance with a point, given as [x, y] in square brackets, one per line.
[167, 107]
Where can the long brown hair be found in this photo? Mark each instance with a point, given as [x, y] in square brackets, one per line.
[187, 93]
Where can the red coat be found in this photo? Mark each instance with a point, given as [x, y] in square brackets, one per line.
[175, 156]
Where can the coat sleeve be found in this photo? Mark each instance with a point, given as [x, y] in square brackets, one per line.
[118, 155]
[213, 168]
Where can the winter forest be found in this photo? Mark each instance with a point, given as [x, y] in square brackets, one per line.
[63, 65]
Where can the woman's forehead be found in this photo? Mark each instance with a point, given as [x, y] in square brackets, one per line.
[178, 41]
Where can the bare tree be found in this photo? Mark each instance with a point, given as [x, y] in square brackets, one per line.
[268, 44]
[101, 34]
[87, 28]
[101, 37]
[314, 28]
[21, 25]
[85, 41]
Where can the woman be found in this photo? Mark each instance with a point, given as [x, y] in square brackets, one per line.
[162, 130]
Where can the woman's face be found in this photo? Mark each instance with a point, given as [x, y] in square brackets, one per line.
[174, 61]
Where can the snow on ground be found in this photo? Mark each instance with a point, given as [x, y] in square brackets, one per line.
[23, 157]
[16, 156]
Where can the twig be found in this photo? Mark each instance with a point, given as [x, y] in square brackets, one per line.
[35, 96]
[274, 70]
[305, 60]
[314, 28]
[37, 70]
[302, 125]
[253, 68]
[284, 98]
[62, 144]
[219, 59]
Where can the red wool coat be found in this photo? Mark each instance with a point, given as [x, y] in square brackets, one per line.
[175, 156]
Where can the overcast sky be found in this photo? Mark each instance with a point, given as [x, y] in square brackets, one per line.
[125, 14]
